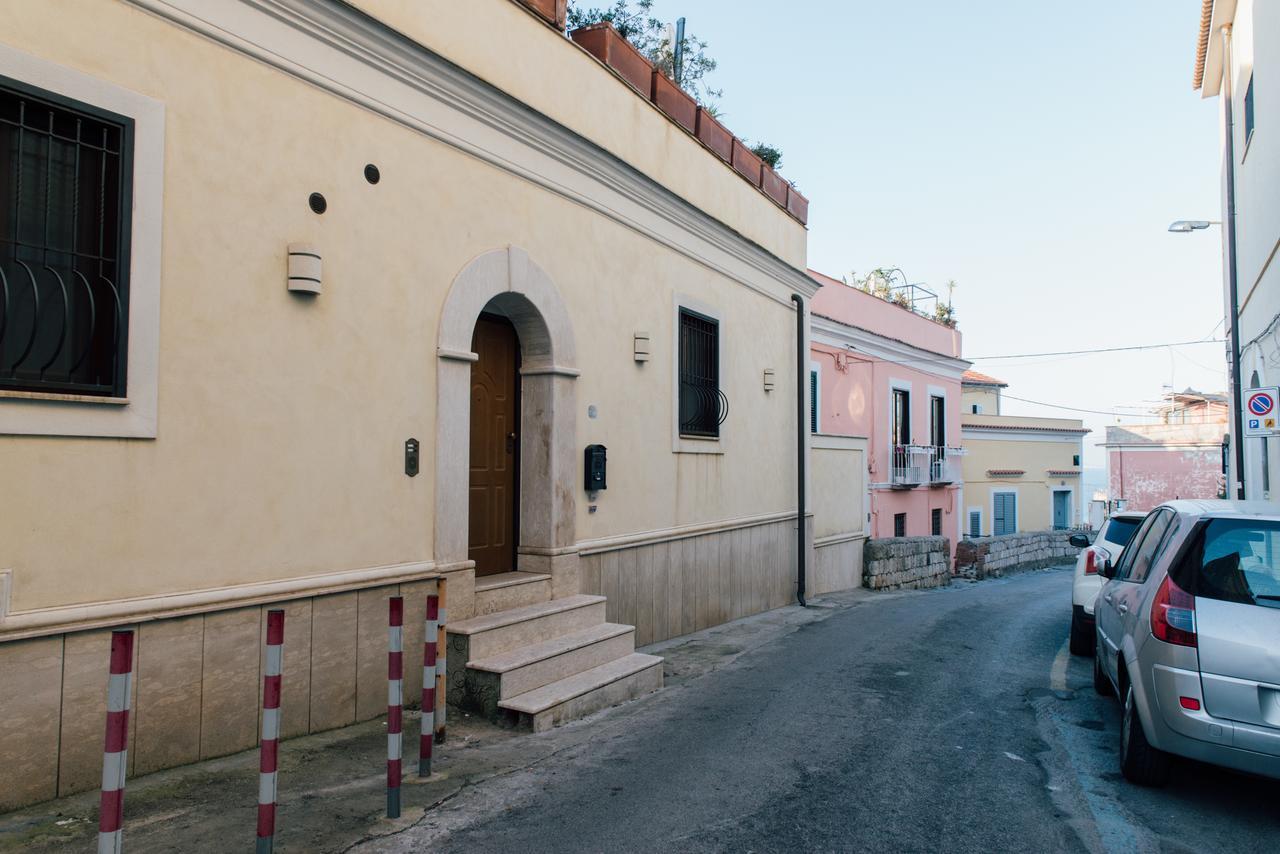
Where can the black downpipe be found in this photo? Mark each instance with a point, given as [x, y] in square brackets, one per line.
[802, 427]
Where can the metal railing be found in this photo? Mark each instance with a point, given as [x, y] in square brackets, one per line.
[913, 465]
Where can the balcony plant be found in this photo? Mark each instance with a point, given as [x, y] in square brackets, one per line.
[608, 45]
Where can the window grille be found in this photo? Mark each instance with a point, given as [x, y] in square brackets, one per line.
[703, 406]
[975, 524]
[899, 524]
[936, 522]
[65, 180]
[813, 401]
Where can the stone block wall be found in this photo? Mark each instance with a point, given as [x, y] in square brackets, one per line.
[992, 557]
[906, 563]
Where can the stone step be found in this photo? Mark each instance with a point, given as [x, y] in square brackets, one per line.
[521, 670]
[509, 590]
[583, 693]
[487, 635]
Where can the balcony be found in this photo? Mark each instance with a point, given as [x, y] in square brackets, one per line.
[915, 465]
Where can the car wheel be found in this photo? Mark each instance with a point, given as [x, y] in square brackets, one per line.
[1139, 761]
[1101, 683]
[1082, 636]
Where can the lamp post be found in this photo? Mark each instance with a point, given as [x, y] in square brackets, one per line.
[1186, 226]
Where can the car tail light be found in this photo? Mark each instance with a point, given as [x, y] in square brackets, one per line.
[1191, 704]
[1173, 615]
[1091, 562]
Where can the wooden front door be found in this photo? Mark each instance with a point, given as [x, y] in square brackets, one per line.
[495, 392]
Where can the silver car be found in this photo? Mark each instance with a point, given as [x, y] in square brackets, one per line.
[1188, 636]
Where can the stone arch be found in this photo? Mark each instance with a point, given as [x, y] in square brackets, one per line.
[506, 281]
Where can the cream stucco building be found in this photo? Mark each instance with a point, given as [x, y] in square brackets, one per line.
[349, 231]
[1020, 473]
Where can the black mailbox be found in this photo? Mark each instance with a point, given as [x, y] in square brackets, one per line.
[595, 468]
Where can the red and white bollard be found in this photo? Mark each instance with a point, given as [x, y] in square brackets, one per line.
[428, 737]
[115, 753]
[395, 702]
[268, 764]
[441, 657]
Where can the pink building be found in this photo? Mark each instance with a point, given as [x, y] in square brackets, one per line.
[1179, 457]
[892, 376]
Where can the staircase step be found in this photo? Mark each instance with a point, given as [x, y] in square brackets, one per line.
[523, 669]
[490, 634]
[509, 590]
[583, 693]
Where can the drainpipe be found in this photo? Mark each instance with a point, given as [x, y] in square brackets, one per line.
[802, 428]
[1237, 418]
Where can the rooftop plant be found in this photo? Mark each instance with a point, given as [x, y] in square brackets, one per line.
[880, 284]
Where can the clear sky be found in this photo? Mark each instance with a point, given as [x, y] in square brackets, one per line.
[1033, 151]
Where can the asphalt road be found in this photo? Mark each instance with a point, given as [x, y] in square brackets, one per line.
[942, 721]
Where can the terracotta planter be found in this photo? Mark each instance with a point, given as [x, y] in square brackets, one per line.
[604, 43]
[674, 101]
[797, 205]
[554, 12]
[746, 162]
[714, 136]
[775, 185]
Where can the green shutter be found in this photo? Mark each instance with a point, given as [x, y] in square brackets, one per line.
[813, 401]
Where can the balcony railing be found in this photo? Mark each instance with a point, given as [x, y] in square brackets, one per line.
[913, 465]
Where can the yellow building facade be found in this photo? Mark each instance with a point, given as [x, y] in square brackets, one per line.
[1020, 473]
[425, 165]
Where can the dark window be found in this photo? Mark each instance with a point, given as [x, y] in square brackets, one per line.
[899, 524]
[1120, 531]
[1075, 459]
[938, 422]
[977, 409]
[1248, 110]
[700, 397]
[1137, 559]
[813, 401]
[1234, 560]
[65, 179]
[901, 417]
[936, 522]
[975, 523]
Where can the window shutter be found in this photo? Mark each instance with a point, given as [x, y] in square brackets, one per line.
[975, 523]
[813, 401]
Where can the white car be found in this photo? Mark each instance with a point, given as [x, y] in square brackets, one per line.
[1113, 536]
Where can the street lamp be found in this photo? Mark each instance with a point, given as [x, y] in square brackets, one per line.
[1186, 226]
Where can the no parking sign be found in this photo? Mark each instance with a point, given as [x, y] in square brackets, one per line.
[1260, 416]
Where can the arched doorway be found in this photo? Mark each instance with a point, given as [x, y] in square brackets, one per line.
[503, 293]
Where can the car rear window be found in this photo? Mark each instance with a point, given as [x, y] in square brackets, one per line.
[1120, 531]
[1234, 560]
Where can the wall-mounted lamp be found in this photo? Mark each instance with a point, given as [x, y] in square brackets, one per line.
[768, 379]
[305, 268]
[640, 346]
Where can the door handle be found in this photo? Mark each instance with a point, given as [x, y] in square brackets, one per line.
[1122, 608]
[511, 443]
[1108, 598]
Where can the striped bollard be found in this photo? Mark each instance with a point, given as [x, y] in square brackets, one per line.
[429, 634]
[115, 753]
[268, 764]
[441, 657]
[395, 702]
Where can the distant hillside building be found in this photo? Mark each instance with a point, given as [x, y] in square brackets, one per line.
[1178, 457]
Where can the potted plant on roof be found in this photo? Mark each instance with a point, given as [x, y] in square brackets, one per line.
[771, 182]
[609, 46]
[552, 11]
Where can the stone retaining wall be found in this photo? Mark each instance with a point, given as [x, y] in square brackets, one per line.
[991, 557]
[903, 563]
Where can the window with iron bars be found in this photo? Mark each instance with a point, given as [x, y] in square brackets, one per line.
[702, 405]
[65, 181]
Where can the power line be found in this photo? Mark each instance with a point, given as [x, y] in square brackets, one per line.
[1098, 350]
[1104, 412]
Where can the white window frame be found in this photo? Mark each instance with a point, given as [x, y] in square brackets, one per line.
[50, 414]
[1016, 509]
[681, 444]
[966, 529]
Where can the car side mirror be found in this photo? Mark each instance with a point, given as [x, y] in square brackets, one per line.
[1080, 541]
[1108, 569]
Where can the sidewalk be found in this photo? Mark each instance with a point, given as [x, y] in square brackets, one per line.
[332, 785]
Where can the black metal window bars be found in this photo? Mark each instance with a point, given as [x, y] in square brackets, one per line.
[65, 203]
[703, 406]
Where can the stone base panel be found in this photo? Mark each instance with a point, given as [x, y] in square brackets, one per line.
[906, 563]
[837, 563]
[992, 557]
[197, 684]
